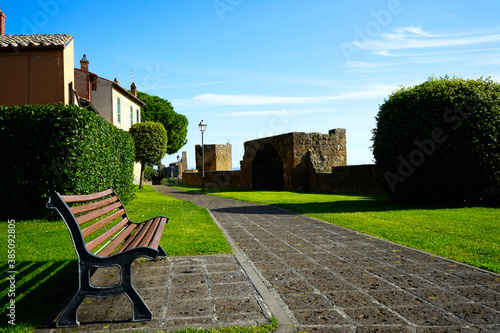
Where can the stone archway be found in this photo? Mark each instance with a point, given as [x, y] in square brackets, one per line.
[267, 169]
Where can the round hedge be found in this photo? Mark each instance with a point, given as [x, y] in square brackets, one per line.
[438, 142]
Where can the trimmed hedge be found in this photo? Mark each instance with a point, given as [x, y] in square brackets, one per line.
[438, 142]
[49, 148]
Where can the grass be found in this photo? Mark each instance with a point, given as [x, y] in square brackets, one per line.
[469, 235]
[190, 231]
[46, 260]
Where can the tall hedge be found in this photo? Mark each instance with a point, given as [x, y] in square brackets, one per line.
[438, 142]
[49, 148]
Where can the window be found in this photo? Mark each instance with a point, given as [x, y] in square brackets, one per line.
[118, 107]
[138, 114]
[131, 116]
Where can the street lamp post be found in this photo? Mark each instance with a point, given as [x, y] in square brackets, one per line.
[203, 126]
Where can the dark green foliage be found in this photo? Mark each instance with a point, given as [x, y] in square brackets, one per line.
[160, 110]
[150, 144]
[438, 142]
[49, 148]
[152, 174]
[149, 173]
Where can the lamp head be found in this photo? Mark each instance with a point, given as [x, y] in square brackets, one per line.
[203, 126]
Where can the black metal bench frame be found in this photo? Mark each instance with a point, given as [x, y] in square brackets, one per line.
[126, 252]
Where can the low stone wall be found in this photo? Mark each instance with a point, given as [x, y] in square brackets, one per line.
[219, 179]
[347, 179]
[342, 179]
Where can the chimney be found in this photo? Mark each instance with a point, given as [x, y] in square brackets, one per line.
[133, 89]
[2, 23]
[84, 64]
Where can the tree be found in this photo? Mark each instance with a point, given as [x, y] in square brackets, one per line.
[438, 142]
[160, 110]
[150, 144]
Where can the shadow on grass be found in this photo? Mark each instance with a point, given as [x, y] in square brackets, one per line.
[41, 289]
[345, 206]
[359, 204]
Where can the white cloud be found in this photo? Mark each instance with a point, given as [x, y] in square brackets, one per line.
[363, 65]
[415, 37]
[210, 99]
[266, 113]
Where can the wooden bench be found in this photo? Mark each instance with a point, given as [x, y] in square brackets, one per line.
[103, 236]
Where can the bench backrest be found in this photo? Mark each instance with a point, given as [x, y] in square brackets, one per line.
[101, 218]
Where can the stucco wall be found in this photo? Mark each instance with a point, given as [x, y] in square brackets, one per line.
[69, 72]
[36, 76]
[127, 119]
[102, 99]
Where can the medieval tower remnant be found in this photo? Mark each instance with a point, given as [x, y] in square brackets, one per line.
[217, 157]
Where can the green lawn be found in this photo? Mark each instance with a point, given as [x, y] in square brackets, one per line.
[46, 259]
[469, 235]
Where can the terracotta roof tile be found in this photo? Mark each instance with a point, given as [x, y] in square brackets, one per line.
[34, 40]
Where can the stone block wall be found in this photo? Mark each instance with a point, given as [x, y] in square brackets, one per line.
[217, 157]
[217, 179]
[296, 151]
[348, 179]
[292, 161]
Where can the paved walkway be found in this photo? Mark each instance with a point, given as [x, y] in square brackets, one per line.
[312, 276]
[331, 279]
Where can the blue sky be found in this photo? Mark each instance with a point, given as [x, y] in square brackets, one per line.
[258, 68]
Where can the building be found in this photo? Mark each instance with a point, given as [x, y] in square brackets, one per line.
[176, 169]
[113, 102]
[36, 69]
[39, 69]
[110, 100]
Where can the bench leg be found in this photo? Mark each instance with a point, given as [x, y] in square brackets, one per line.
[69, 317]
[140, 311]
[161, 252]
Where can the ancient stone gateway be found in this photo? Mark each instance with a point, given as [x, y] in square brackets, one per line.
[285, 162]
[294, 161]
[267, 169]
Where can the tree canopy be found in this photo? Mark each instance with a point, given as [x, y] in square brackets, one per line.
[150, 140]
[160, 110]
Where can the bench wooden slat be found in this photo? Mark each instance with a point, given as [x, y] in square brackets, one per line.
[96, 213]
[137, 236]
[93, 206]
[156, 240]
[99, 240]
[117, 241]
[150, 233]
[102, 223]
[86, 197]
